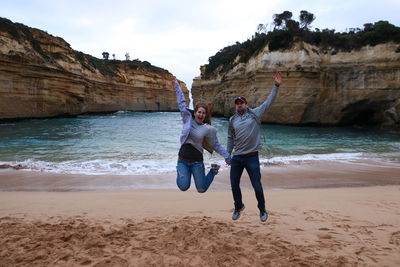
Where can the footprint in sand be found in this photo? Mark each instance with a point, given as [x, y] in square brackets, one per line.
[297, 229]
[324, 229]
[324, 236]
[113, 261]
[345, 227]
[395, 238]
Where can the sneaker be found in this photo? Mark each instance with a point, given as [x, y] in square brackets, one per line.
[263, 216]
[236, 213]
[215, 167]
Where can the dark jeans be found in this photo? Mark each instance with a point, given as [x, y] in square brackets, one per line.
[252, 166]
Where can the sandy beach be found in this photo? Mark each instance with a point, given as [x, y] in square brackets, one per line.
[103, 106]
[338, 224]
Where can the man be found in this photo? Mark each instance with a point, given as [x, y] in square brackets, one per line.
[244, 138]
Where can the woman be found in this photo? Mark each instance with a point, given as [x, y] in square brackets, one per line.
[197, 133]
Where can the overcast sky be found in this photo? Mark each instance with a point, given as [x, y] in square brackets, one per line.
[180, 35]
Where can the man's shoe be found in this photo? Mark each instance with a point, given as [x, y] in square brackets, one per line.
[236, 213]
[215, 167]
[263, 216]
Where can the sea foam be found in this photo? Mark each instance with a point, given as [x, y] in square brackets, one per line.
[160, 166]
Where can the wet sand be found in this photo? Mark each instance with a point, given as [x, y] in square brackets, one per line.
[320, 174]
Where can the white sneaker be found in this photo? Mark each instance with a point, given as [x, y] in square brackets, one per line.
[236, 213]
[263, 216]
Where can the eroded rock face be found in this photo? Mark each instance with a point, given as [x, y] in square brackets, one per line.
[319, 87]
[41, 76]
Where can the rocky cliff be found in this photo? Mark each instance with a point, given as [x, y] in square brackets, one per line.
[320, 86]
[41, 76]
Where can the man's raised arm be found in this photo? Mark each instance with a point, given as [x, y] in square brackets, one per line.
[260, 110]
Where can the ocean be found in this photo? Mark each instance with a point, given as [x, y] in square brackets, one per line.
[126, 143]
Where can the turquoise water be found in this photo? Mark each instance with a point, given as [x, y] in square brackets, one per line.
[147, 143]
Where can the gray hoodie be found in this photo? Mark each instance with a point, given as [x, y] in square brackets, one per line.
[244, 130]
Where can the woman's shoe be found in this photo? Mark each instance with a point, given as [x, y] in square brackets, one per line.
[215, 167]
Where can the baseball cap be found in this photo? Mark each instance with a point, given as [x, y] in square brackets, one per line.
[241, 98]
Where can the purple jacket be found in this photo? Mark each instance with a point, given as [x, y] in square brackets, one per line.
[187, 120]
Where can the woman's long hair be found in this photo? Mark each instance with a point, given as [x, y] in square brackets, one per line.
[207, 108]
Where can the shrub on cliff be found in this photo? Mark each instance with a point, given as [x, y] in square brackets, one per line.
[287, 31]
[380, 32]
[105, 67]
[23, 33]
[110, 67]
[279, 40]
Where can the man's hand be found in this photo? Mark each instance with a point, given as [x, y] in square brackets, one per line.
[228, 162]
[278, 78]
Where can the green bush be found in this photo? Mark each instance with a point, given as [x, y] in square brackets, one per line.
[8, 26]
[287, 31]
[279, 40]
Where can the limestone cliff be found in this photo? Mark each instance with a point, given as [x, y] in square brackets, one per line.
[321, 87]
[42, 76]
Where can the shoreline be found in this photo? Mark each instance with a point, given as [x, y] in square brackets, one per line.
[318, 174]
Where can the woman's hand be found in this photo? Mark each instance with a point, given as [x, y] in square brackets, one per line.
[278, 78]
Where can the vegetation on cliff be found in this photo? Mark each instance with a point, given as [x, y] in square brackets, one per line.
[110, 67]
[22, 33]
[287, 31]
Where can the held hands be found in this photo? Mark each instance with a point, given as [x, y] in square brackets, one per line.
[228, 162]
[278, 78]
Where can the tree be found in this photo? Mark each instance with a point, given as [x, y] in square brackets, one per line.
[261, 28]
[306, 18]
[280, 40]
[113, 55]
[280, 20]
[368, 27]
[105, 55]
[292, 26]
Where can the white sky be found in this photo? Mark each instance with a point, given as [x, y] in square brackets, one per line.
[180, 35]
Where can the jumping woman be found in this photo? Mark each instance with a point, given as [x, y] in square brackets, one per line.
[197, 135]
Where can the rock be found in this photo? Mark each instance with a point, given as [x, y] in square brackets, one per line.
[42, 76]
[335, 88]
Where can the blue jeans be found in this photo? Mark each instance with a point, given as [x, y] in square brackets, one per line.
[185, 169]
[252, 166]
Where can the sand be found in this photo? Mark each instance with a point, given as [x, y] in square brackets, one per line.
[305, 175]
[307, 227]
[321, 214]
